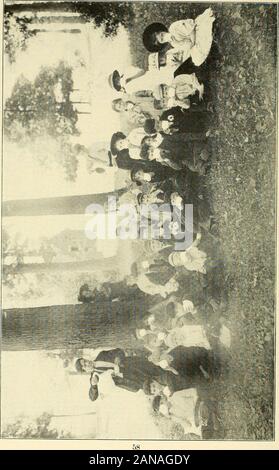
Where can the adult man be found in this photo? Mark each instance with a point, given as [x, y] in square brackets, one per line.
[104, 360]
[132, 373]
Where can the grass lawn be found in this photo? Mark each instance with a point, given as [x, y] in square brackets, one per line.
[242, 182]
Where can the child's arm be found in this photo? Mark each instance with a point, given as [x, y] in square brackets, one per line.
[171, 164]
[183, 104]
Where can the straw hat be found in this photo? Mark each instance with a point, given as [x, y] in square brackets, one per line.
[114, 80]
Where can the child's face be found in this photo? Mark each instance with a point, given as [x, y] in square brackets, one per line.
[94, 379]
[176, 200]
[129, 106]
[120, 106]
[139, 176]
[172, 285]
[161, 37]
[121, 144]
[87, 365]
[149, 141]
[146, 199]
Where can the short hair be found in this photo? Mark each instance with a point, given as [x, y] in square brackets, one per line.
[115, 102]
[79, 366]
[81, 297]
[133, 174]
[140, 197]
[143, 142]
[93, 392]
[156, 403]
[158, 104]
[149, 126]
[144, 151]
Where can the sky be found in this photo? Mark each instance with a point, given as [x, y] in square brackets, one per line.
[36, 171]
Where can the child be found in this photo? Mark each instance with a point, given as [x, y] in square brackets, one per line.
[182, 407]
[179, 91]
[134, 113]
[177, 119]
[186, 150]
[154, 174]
[192, 259]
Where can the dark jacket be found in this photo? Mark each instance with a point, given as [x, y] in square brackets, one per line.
[187, 362]
[187, 120]
[111, 355]
[136, 370]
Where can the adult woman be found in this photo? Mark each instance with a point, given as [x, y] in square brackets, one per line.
[193, 37]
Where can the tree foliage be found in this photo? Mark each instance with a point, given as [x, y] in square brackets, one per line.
[109, 16]
[22, 428]
[42, 109]
[16, 34]
[33, 108]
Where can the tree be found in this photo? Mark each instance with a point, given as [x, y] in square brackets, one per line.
[109, 15]
[16, 34]
[103, 323]
[23, 428]
[41, 107]
[56, 205]
[41, 110]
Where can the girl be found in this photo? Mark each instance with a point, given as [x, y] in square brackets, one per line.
[192, 259]
[183, 407]
[188, 150]
[145, 79]
[158, 174]
[193, 37]
[179, 91]
[133, 112]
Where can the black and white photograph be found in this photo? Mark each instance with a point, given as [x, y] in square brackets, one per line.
[139, 172]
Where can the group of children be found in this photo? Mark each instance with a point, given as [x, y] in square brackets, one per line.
[167, 154]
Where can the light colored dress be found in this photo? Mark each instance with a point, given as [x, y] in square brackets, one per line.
[194, 259]
[182, 410]
[194, 37]
[185, 85]
[148, 287]
[151, 78]
[188, 336]
[106, 385]
[178, 92]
